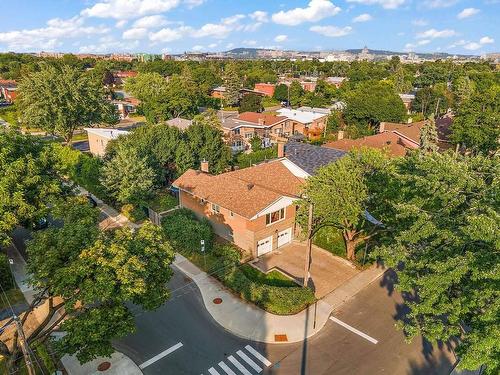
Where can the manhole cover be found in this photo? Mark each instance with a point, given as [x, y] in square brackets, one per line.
[217, 301]
[104, 366]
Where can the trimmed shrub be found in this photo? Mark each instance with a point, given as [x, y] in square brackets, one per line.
[246, 160]
[183, 229]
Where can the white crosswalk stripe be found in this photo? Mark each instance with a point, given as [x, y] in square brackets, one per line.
[238, 365]
[249, 364]
[259, 356]
[248, 360]
[226, 368]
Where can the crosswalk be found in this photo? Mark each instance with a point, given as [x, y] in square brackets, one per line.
[246, 361]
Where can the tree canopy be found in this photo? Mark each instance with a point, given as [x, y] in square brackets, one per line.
[443, 241]
[61, 100]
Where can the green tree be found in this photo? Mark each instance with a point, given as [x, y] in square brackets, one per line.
[429, 137]
[88, 278]
[443, 242]
[463, 88]
[372, 103]
[250, 103]
[256, 144]
[296, 94]
[63, 100]
[184, 158]
[232, 83]
[127, 176]
[28, 181]
[476, 124]
[342, 191]
[281, 92]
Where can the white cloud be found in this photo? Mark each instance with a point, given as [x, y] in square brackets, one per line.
[150, 22]
[331, 31]
[250, 43]
[212, 30]
[433, 33]
[439, 3]
[472, 46]
[128, 9]
[467, 12]
[419, 22]
[252, 26]
[49, 37]
[387, 4]
[233, 19]
[411, 46]
[168, 35]
[259, 16]
[135, 33]
[229, 45]
[212, 45]
[316, 10]
[486, 40]
[197, 48]
[120, 24]
[280, 38]
[193, 3]
[109, 45]
[362, 18]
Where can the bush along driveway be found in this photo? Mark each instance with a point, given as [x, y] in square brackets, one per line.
[271, 292]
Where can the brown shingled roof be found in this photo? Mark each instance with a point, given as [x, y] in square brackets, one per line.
[246, 191]
[267, 119]
[388, 141]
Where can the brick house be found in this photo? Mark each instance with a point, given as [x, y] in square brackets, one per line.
[266, 88]
[254, 207]
[308, 122]
[99, 138]
[8, 90]
[119, 77]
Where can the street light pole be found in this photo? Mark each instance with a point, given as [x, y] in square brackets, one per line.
[307, 264]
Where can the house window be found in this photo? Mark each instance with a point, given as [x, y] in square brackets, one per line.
[249, 135]
[237, 144]
[275, 216]
[215, 208]
[236, 131]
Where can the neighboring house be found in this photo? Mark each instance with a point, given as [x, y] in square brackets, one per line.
[254, 207]
[124, 108]
[99, 138]
[266, 88]
[336, 81]
[180, 123]
[8, 90]
[308, 86]
[121, 76]
[309, 122]
[218, 92]
[239, 130]
[396, 138]
[407, 100]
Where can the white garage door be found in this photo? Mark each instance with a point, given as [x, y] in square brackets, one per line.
[264, 246]
[284, 237]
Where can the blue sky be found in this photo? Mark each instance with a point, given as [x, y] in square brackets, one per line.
[173, 26]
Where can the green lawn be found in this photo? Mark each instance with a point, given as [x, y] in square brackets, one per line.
[14, 296]
[330, 239]
[273, 278]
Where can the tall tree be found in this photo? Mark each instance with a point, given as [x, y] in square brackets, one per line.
[250, 103]
[443, 242]
[281, 92]
[61, 100]
[342, 192]
[232, 83]
[127, 176]
[296, 94]
[28, 181]
[88, 277]
[429, 136]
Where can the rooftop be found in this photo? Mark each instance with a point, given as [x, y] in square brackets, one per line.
[309, 157]
[304, 117]
[106, 133]
[180, 123]
[387, 140]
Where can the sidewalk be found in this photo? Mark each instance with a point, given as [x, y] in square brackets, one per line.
[250, 322]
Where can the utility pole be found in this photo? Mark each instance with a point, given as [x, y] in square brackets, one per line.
[309, 245]
[24, 346]
[437, 107]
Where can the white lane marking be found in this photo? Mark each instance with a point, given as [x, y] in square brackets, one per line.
[213, 371]
[226, 369]
[352, 329]
[238, 365]
[248, 360]
[259, 356]
[160, 356]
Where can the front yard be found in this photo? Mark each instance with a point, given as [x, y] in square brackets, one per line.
[273, 292]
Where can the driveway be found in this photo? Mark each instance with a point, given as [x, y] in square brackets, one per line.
[326, 274]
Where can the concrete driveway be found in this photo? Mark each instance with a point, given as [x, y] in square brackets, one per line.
[327, 271]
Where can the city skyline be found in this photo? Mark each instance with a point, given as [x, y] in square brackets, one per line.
[175, 26]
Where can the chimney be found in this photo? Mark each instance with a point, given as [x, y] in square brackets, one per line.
[340, 135]
[281, 150]
[204, 166]
[381, 127]
[261, 121]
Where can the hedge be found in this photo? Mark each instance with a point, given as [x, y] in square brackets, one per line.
[185, 231]
[247, 160]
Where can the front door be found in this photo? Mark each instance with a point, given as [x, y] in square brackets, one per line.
[284, 237]
[264, 246]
